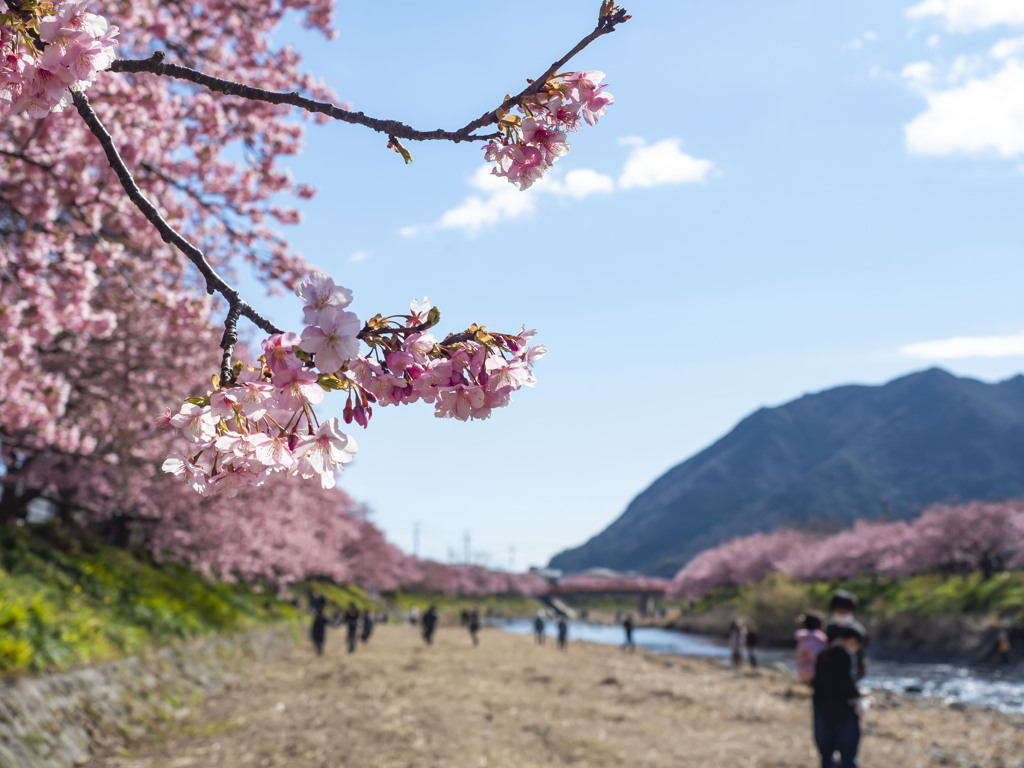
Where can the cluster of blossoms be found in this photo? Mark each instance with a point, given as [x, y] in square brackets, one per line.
[263, 421]
[530, 143]
[48, 50]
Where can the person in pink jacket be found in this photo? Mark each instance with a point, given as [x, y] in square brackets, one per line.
[810, 641]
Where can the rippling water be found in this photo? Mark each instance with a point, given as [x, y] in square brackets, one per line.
[953, 684]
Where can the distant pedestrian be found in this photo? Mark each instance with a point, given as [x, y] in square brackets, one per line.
[318, 632]
[367, 626]
[538, 628]
[351, 619]
[414, 615]
[473, 621]
[737, 640]
[627, 625]
[843, 606]
[1003, 646]
[752, 639]
[837, 702]
[429, 623]
[810, 641]
[464, 617]
[563, 632]
[316, 601]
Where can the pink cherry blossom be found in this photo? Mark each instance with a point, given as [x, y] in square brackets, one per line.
[334, 340]
[320, 293]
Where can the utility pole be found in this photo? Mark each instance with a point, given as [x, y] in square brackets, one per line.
[465, 547]
[416, 539]
[512, 558]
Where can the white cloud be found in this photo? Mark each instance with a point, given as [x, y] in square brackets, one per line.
[967, 346]
[578, 184]
[497, 200]
[357, 256]
[970, 15]
[662, 163]
[983, 115]
[500, 201]
[919, 74]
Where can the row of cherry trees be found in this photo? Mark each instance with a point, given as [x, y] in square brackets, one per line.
[947, 538]
[139, 166]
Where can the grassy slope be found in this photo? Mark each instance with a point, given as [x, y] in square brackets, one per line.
[71, 603]
[65, 601]
[776, 601]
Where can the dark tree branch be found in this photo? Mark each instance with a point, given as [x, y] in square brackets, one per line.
[394, 129]
[237, 307]
[605, 25]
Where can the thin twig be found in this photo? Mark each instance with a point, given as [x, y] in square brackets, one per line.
[237, 307]
[393, 128]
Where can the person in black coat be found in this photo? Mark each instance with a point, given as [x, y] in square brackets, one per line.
[429, 623]
[351, 619]
[563, 632]
[318, 631]
[837, 701]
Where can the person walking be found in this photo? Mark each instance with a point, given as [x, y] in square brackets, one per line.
[737, 639]
[1003, 646]
[473, 621]
[351, 619]
[318, 631]
[627, 625]
[538, 628]
[837, 701]
[843, 606]
[563, 632]
[429, 622]
[752, 645]
[367, 626]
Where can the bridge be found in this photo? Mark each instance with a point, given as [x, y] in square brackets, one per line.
[606, 585]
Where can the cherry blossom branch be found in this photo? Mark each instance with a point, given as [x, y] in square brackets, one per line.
[237, 307]
[609, 19]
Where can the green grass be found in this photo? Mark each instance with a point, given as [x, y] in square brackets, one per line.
[72, 602]
[775, 601]
[505, 606]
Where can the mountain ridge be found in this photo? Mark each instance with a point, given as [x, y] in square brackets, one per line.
[825, 458]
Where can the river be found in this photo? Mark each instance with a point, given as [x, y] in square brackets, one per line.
[981, 686]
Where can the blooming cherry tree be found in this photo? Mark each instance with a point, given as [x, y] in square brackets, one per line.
[124, 210]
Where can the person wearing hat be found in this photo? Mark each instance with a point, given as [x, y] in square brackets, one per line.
[837, 701]
[842, 606]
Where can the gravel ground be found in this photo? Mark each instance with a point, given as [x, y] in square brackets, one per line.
[509, 702]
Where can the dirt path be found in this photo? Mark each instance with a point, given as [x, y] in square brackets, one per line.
[511, 703]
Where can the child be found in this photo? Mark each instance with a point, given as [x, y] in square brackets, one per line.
[810, 641]
[837, 702]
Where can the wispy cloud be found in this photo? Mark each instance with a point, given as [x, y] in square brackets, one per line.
[865, 38]
[969, 15]
[496, 201]
[958, 347]
[358, 256]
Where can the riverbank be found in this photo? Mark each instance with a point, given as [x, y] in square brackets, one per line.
[509, 702]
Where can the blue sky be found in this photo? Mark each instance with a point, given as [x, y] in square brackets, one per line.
[785, 197]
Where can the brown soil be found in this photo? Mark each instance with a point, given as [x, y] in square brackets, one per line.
[509, 702]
